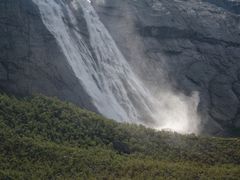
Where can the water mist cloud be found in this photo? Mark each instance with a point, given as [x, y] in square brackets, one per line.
[116, 91]
[177, 112]
[170, 110]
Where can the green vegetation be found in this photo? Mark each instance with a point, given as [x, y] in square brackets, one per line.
[44, 138]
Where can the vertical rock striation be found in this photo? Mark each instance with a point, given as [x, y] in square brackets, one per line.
[30, 59]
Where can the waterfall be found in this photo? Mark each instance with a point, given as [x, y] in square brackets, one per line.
[105, 74]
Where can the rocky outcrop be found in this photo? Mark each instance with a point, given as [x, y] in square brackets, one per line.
[30, 59]
[194, 45]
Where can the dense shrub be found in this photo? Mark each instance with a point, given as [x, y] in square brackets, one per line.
[44, 138]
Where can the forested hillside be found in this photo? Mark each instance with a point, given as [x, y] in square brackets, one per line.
[44, 138]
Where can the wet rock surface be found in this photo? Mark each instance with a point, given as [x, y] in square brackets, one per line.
[193, 44]
[30, 59]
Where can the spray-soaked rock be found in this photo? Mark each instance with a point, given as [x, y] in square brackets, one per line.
[194, 43]
[30, 60]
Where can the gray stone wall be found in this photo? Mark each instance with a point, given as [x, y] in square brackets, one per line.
[30, 59]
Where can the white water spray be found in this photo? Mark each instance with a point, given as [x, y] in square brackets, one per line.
[106, 75]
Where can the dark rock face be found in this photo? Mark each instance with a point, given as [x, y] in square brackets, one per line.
[30, 60]
[195, 44]
[228, 5]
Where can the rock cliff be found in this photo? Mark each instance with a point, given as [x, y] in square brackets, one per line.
[194, 43]
[30, 60]
[180, 46]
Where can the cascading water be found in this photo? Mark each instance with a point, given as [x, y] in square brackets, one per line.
[100, 67]
[107, 77]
